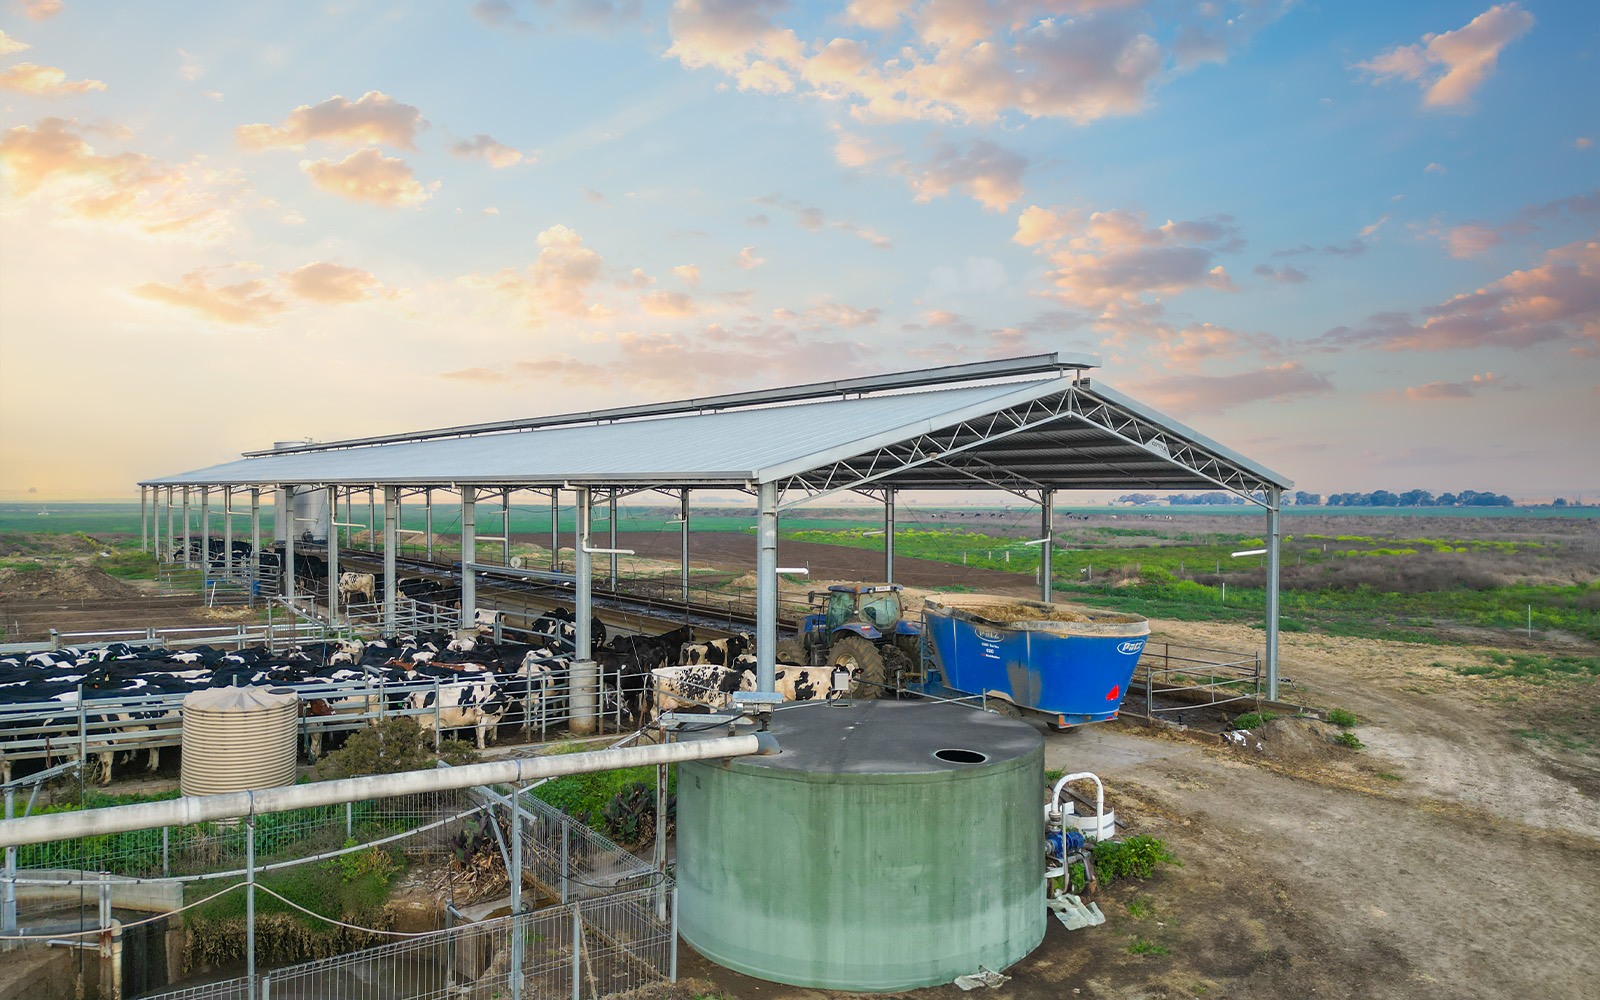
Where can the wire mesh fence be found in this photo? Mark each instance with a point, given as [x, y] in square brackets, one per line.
[585, 950]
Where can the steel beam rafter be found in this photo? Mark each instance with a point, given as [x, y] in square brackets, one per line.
[951, 450]
[933, 447]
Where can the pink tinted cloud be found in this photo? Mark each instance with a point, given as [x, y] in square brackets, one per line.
[45, 81]
[1193, 394]
[373, 118]
[246, 303]
[1450, 66]
[370, 177]
[558, 283]
[331, 284]
[487, 148]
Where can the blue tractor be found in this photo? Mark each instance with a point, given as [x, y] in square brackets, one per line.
[861, 628]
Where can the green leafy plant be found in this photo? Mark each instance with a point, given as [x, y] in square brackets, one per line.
[1139, 946]
[1141, 908]
[1348, 739]
[1342, 718]
[1253, 720]
[1135, 857]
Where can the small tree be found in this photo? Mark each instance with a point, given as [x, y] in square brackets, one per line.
[393, 745]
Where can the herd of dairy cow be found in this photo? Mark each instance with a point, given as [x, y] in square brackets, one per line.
[478, 682]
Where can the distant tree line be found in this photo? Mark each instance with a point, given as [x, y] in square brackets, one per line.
[1419, 498]
[1377, 498]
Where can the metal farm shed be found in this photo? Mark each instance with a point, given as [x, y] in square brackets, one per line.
[1029, 426]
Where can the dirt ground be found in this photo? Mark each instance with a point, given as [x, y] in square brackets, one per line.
[1456, 856]
[1450, 858]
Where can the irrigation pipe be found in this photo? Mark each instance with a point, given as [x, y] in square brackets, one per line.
[517, 771]
[135, 923]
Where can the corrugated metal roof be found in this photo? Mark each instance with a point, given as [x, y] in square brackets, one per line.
[774, 443]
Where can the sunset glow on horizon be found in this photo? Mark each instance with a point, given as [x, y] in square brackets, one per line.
[1359, 243]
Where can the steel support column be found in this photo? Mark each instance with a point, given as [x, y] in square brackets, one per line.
[1274, 497]
[767, 587]
[372, 520]
[187, 547]
[888, 536]
[155, 524]
[331, 532]
[391, 542]
[427, 520]
[255, 542]
[1047, 516]
[205, 534]
[171, 524]
[285, 517]
[227, 531]
[505, 527]
[144, 519]
[583, 589]
[683, 542]
[469, 555]
[611, 512]
[555, 530]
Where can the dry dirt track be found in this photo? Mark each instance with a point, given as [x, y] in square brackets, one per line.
[736, 552]
[1476, 874]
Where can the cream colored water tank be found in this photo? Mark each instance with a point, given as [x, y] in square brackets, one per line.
[239, 738]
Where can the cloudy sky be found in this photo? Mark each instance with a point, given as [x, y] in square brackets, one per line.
[1356, 241]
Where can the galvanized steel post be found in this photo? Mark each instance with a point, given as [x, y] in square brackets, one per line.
[1274, 498]
[611, 512]
[555, 530]
[391, 540]
[155, 523]
[205, 534]
[427, 520]
[331, 533]
[144, 519]
[171, 538]
[683, 542]
[469, 555]
[186, 545]
[8, 910]
[767, 587]
[255, 542]
[250, 903]
[285, 516]
[584, 586]
[1047, 516]
[518, 941]
[888, 535]
[227, 531]
[372, 519]
[505, 527]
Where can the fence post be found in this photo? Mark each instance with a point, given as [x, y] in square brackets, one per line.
[566, 837]
[8, 920]
[250, 903]
[349, 822]
[672, 966]
[436, 718]
[105, 917]
[577, 956]
[166, 851]
[515, 877]
[83, 732]
[55, 639]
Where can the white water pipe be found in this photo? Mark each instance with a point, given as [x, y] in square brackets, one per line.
[517, 771]
[1099, 798]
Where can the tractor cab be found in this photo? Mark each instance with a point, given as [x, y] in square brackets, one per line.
[860, 627]
[875, 606]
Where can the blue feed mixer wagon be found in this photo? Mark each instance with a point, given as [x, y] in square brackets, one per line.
[1066, 665]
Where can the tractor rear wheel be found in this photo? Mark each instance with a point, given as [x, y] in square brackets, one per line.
[789, 651]
[864, 662]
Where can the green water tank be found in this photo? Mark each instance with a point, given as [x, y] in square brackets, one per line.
[891, 845]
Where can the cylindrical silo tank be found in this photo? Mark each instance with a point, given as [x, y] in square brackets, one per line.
[238, 739]
[889, 846]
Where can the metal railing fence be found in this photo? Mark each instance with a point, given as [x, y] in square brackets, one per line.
[1195, 676]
